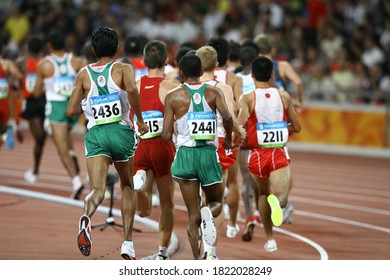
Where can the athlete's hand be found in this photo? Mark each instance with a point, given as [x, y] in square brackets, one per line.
[227, 143]
[142, 128]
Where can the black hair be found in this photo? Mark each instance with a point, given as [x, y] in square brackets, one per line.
[221, 45]
[234, 49]
[133, 45]
[105, 42]
[155, 54]
[36, 44]
[247, 54]
[56, 40]
[191, 66]
[262, 68]
[250, 43]
[180, 53]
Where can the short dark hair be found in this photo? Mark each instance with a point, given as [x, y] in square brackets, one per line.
[105, 42]
[234, 49]
[133, 45]
[262, 68]
[155, 54]
[56, 40]
[247, 54]
[36, 44]
[182, 51]
[191, 66]
[221, 45]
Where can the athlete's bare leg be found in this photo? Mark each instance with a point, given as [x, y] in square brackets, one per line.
[128, 201]
[38, 132]
[60, 137]
[233, 198]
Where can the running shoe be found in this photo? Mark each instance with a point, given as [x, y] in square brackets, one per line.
[30, 177]
[256, 217]
[210, 257]
[9, 138]
[139, 180]
[288, 213]
[127, 251]
[77, 192]
[231, 232]
[84, 240]
[248, 231]
[161, 257]
[270, 245]
[276, 211]
[209, 232]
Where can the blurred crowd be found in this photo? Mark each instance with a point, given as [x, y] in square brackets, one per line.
[341, 49]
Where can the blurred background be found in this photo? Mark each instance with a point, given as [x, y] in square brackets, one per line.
[340, 49]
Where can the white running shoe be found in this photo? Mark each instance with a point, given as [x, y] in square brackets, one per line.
[209, 257]
[127, 250]
[270, 246]
[30, 177]
[209, 232]
[160, 257]
[231, 232]
[288, 213]
[139, 180]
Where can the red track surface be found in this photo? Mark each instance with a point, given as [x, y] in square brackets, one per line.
[342, 213]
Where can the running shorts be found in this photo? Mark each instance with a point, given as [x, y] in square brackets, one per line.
[34, 107]
[197, 163]
[113, 140]
[156, 154]
[226, 157]
[56, 113]
[266, 160]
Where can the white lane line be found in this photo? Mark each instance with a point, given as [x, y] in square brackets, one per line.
[339, 205]
[323, 254]
[341, 220]
[172, 248]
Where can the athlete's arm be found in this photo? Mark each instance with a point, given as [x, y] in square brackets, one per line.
[133, 95]
[43, 70]
[74, 105]
[295, 126]
[292, 75]
[168, 118]
[227, 119]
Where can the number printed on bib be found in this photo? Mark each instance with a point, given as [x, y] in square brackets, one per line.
[154, 119]
[272, 134]
[202, 125]
[106, 108]
[31, 80]
[3, 88]
[64, 85]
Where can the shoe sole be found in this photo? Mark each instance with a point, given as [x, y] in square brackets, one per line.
[276, 211]
[128, 257]
[83, 241]
[209, 231]
[248, 234]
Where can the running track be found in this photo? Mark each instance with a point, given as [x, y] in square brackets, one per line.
[342, 212]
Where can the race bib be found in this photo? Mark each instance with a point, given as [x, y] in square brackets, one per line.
[31, 80]
[3, 88]
[64, 85]
[202, 125]
[106, 108]
[272, 134]
[154, 119]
